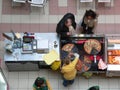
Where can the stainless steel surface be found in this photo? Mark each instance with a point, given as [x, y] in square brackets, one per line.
[18, 56]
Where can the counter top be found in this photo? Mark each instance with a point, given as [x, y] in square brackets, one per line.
[18, 56]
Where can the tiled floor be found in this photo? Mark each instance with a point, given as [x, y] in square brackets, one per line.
[20, 19]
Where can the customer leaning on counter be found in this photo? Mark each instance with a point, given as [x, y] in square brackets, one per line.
[89, 22]
[41, 84]
[68, 69]
[66, 26]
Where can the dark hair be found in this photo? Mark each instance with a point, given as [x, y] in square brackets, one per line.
[68, 16]
[39, 82]
[90, 13]
[93, 88]
[67, 60]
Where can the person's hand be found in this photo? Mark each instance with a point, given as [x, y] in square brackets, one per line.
[70, 54]
[76, 55]
[68, 33]
[71, 28]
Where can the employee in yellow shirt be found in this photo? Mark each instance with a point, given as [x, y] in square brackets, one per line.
[69, 71]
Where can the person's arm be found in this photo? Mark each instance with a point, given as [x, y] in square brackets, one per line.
[95, 25]
[48, 85]
[74, 62]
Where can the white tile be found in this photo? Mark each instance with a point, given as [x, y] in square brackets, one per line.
[114, 89]
[0, 6]
[54, 83]
[103, 83]
[78, 18]
[110, 19]
[2, 44]
[15, 18]
[30, 83]
[47, 9]
[43, 73]
[34, 19]
[117, 18]
[95, 77]
[62, 89]
[75, 85]
[13, 83]
[60, 17]
[30, 89]
[53, 19]
[13, 89]
[86, 6]
[83, 89]
[23, 89]
[104, 89]
[33, 74]
[93, 82]
[25, 19]
[54, 74]
[6, 19]
[23, 83]
[44, 19]
[36, 11]
[0, 19]
[23, 75]
[76, 89]
[119, 82]
[113, 83]
[13, 75]
[62, 3]
[83, 83]
[102, 19]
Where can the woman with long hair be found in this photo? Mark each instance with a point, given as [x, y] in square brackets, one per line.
[89, 22]
[66, 25]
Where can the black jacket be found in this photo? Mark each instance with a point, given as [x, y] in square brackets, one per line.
[61, 29]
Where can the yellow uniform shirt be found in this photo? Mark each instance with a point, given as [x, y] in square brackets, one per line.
[69, 71]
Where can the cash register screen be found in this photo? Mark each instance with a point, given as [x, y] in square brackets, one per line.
[27, 39]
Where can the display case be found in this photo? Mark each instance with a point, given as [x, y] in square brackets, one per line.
[113, 55]
[91, 49]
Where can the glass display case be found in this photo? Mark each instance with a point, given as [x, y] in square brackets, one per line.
[91, 49]
[113, 54]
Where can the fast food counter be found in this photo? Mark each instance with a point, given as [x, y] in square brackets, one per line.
[113, 55]
[98, 53]
[91, 49]
[27, 54]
